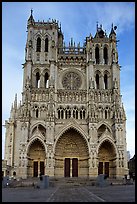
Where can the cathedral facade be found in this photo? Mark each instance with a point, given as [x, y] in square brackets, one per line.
[71, 120]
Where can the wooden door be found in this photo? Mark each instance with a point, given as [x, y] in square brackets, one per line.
[42, 167]
[35, 169]
[74, 167]
[100, 168]
[107, 168]
[67, 167]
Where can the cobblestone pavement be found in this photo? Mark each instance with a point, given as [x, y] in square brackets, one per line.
[125, 193]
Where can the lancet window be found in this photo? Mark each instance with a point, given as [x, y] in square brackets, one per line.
[97, 55]
[38, 47]
[37, 80]
[46, 44]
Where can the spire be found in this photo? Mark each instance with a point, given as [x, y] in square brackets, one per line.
[99, 32]
[124, 115]
[97, 25]
[31, 12]
[12, 107]
[15, 102]
[31, 19]
[71, 42]
[112, 30]
[60, 27]
[11, 111]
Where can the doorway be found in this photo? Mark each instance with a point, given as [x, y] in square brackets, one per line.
[71, 155]
[36, 161]
[42, 167]
[107, 168]
[100, 168]
[71, 167]
[107, 159]
[103, 168]
[67, 167]
[74, 167]
[35, 167]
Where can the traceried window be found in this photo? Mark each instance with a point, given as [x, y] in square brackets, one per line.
[38, 49]
[37, 80]
[105, 81]
[46, 44]
[75, 113]
[46, 80]
[59, 114]
[97, 55]
[82, 113]
[62, 114]
[71, 81]
[105, 55]
[105, 114]
[97, 81]
[37, 113]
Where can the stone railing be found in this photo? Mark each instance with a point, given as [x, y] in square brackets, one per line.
[71, 50]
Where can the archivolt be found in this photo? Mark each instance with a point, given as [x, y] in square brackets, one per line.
[78, 130]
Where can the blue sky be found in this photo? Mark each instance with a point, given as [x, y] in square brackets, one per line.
[78, 20]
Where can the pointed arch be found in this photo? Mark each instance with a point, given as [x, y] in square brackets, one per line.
[105, 124]
[46, 44]
[35, 126]
[37, 113]
[32, 141]
[36, 155]
[46, 80]
[105, 55]
[74, 126]
[108, 140]
[38, 46]
[107, 157]
[71, 145]
[105, 81]
[97, 81]
[37, 80]
[97, 54]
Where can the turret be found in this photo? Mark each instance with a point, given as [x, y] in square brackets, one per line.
[15, 102]
[112, 34]
[99, 33]
[31, 19]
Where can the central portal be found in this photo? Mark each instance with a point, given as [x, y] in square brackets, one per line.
[71, 167]
[71, 155]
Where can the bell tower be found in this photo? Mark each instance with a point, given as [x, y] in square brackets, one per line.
[43, 39]
[103, 80]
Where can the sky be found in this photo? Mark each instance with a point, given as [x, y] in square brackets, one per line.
[78, 20]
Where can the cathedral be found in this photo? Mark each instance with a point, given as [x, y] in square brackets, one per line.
[70, 121]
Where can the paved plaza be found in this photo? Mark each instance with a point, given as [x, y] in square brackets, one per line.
[70, 193]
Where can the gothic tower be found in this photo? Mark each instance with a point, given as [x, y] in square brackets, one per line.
[71, 120]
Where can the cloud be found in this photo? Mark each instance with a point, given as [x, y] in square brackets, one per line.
[119, 13]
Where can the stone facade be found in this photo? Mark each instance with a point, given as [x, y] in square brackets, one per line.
[71, 120]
